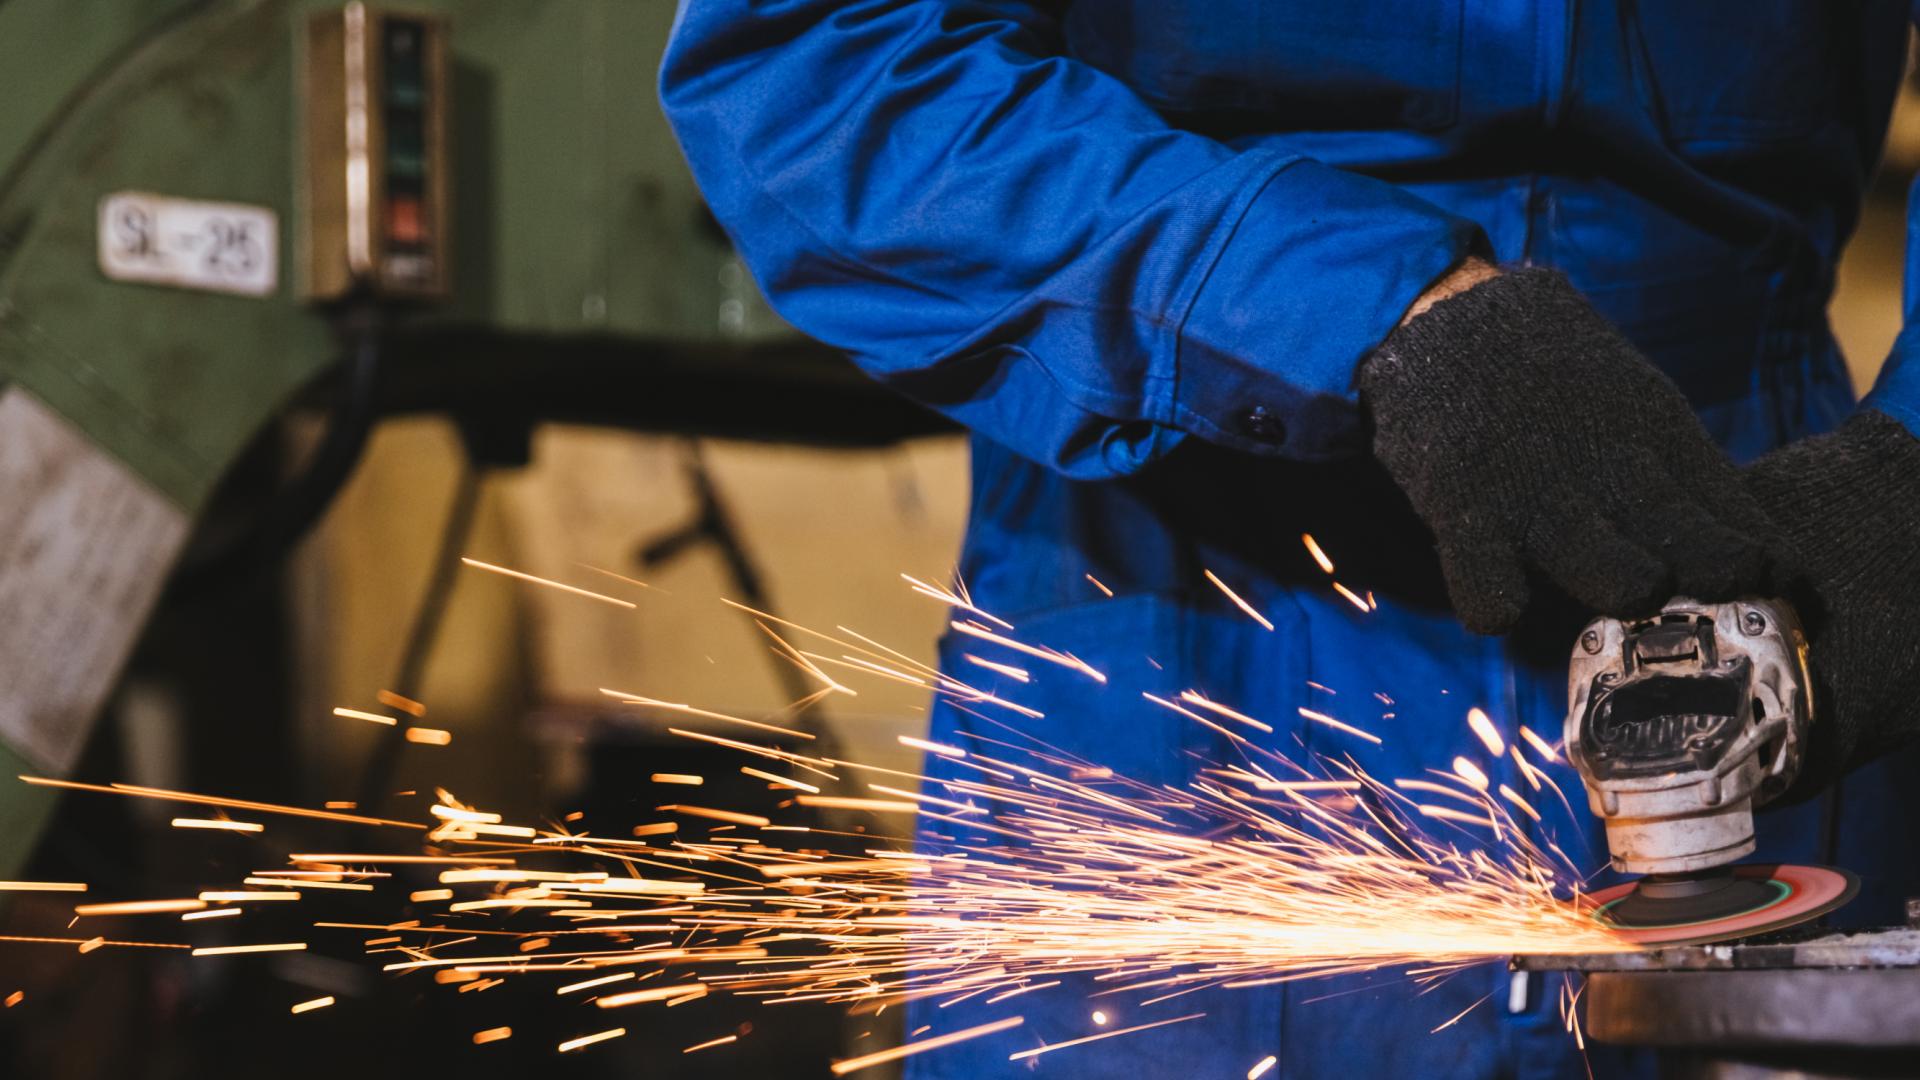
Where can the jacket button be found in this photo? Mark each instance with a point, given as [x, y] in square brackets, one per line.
[1264, 425]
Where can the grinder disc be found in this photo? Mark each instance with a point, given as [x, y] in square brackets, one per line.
[1753, 899]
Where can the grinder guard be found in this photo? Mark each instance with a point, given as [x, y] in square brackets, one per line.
[1682, 723]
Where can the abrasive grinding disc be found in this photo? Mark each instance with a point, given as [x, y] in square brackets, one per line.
[1782, 895]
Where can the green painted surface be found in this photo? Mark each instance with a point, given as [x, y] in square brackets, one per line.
[49, 51]
[573, 210]
[173, 382]
[591, 219]
[23, 812]
[573, 213]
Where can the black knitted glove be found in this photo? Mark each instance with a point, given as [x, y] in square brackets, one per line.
[1848, 505]
[1532, 438]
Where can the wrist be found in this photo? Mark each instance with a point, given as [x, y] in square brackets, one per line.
[1458, 280]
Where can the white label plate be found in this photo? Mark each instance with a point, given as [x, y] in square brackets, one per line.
[189, 243]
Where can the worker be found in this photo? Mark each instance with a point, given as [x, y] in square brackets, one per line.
[1488, 298]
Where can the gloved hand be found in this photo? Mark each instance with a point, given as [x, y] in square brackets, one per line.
[1848, 506]
[1532, 438]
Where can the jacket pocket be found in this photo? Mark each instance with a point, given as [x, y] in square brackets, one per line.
[1733, 71]
[1363, 64]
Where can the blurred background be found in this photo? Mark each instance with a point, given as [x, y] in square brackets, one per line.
[303, 302]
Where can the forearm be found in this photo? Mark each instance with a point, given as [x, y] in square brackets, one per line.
[1015, 239]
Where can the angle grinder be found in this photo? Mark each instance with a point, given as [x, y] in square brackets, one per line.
[1680, 725]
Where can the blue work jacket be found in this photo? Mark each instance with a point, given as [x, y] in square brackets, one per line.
[1139, 248]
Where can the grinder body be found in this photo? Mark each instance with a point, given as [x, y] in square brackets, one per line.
[1681, 724]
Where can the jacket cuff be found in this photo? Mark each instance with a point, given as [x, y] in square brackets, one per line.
[1309, 279]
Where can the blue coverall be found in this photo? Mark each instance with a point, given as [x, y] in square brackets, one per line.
[1139, 248]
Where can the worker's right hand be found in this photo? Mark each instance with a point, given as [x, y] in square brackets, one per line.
[1536, 442]
[1848, 506]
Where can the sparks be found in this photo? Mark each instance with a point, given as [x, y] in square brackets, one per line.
[956, 597]
[651, 993]
[1482, 726]
[140, 907]
[217, 823]
[1037, 1051]
[1313, 549]
[1471, 773]
[589, 594]
[779, 781]
[237, 950]
[299, 883]
[1322, 718]
[1540, 745]
[1063, 659]
[1515, 798]
[461, 813]
[26, 939]
[1261, 870]
[1532, 775]
[428, 860]
[716, 815]
[400, 701]
[1011, 672]
[140, 792]
[585, 1040]
[932, 747]
[1237, 601]
[1194, 697]
[1354, 598]
[845, 802]
[211, 913]
[706, 714]
[591, 983]
[842, 1068]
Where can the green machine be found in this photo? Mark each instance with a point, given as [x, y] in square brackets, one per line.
[215, 211]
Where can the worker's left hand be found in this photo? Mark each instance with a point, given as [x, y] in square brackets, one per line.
[1848, 507]
[1538, 443]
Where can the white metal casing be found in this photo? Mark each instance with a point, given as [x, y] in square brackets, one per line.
[1677, 786]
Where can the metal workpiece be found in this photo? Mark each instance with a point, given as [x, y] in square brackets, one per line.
[1682, 723]
[1757, 1009]
[1833, 1005]
[1872, 949]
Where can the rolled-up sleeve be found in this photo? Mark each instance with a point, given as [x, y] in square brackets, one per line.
[1014, 238]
